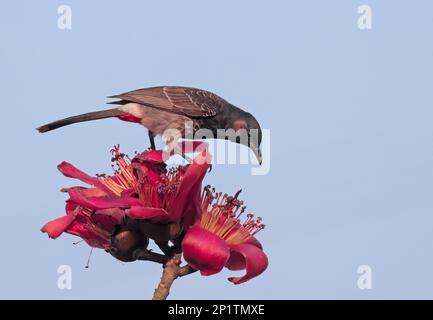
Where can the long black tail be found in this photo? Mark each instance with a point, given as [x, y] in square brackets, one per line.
[80, 118]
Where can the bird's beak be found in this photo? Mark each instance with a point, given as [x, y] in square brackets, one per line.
[258, 154]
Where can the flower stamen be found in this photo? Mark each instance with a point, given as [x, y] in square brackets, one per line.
[164, 193]
[123, 178]
[221, 215]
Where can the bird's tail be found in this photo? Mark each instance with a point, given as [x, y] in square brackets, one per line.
[80, 118]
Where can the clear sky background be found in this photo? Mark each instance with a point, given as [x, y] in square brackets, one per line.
[350, 114]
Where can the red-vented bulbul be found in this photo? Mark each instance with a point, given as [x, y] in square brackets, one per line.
[168, 107]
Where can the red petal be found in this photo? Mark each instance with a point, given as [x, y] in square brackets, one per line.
[147, 171]
[56, 227]
[151, 156]
[102, 203]
[154, 214]
[70, 171]
[190, 215]
[236, 261]
[254, 242]
[88, 192]
[107, 219]
[255, 261]
[205, 251]
[91, 237]
[190, 185]
[127, 193]
[70, 206]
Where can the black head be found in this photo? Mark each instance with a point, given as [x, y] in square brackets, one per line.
[249, 133]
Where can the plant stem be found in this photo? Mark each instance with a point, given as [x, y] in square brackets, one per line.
[172, 271]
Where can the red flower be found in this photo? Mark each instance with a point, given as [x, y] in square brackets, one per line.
[219, 240]
[141, 188]
[173, 195]
[92, 213]
[93, 226]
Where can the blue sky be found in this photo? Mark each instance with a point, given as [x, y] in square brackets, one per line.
[350, 114]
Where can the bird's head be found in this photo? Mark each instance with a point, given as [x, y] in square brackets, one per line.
[249, 133]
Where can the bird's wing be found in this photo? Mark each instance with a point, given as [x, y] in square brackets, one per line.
[181, 100]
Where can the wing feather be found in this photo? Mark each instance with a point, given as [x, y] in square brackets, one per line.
[181, 100]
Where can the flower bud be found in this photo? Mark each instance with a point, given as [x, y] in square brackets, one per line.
[125, 241]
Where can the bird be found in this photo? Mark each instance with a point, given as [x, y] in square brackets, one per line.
[181, 109]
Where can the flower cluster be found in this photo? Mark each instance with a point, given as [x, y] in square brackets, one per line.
[145, 200]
